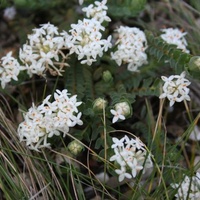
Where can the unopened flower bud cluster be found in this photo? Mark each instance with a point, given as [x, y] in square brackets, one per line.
[49, 119]
[131, 46]
[189, 188]
[75, 147]
[176, 37]
[99, 104]
[120, 111]
[130, 157]
[175, 88]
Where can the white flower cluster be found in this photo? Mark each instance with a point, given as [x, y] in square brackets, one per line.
[131, 156]
[175, 88]
[98, 12]
[49, 119]
[121, 111]
[9, 69]
[176, 37]
[189, 189]
[131, 46]
[43, 50]
[86, 36]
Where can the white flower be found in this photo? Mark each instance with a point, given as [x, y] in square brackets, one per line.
[130, 158]
[131, 46]
[189, 188]
[9, 69]
[49, 119]
[97, 11]
[43, 51]
[122, 174]
[86, 40]
[176, 37]
[117, 115]
[175, 88]
[120, 111]
[117, 142]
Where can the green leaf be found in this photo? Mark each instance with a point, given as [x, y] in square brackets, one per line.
[125, 8]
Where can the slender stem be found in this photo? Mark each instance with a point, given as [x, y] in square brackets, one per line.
[105, 144]
[188, 111]
[158, 122]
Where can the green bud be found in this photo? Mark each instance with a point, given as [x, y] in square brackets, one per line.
[75, 147]
[194, 66]
[107, 76]
[125, 107]
[99, 104]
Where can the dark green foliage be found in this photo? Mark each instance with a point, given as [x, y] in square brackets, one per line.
[37, 4]
[125, 8]
[165, 52]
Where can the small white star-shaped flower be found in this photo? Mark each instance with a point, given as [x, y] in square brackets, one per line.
[117, 115]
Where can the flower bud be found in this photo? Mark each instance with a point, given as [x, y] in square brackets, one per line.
[99, 104]
[125, 108]
[107, 76]
[75, 147]
[194, 66]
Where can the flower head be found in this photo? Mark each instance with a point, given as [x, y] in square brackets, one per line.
[175, 88]
[131, 157]
[9, 69]
[49, 119]
[176, 37]
[43, 51]
[131, 46]
[86, 37]
[87, 42]
[97, 11]
[189, 188]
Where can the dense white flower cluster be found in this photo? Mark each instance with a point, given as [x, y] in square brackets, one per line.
[131, 46]
[120, 111]
[176, 37]
[131, 156]
[86, 36]
[43, 50]
[189, 189]
[9, 69]
[49, 119]
[97, 11]
[175, 88]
